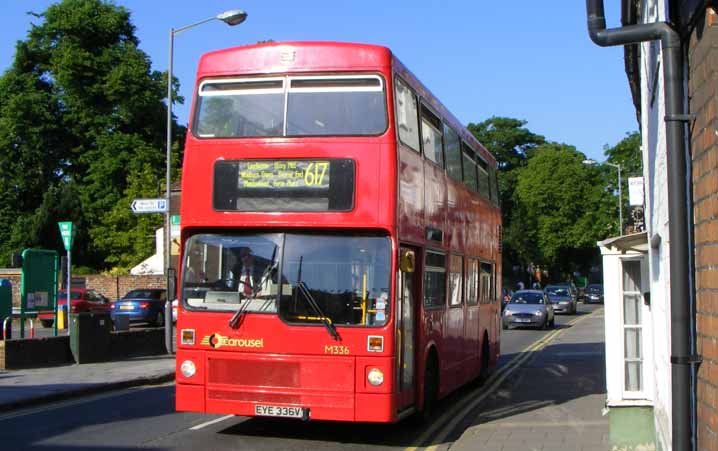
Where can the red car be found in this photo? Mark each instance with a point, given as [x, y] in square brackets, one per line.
[81, 300]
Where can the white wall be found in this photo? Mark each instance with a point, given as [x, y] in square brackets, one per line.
[655, 175]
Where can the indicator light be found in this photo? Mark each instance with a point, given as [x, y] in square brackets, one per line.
[375, 343]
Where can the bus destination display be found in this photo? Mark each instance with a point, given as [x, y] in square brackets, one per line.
[284, 174]
[284, 185]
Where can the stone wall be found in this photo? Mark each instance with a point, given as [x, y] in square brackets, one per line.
[703, 94]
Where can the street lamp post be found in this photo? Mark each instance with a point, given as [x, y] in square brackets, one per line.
[590, 162]
[231, 18]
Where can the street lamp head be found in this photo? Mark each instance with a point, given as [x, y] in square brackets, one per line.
[232, 17]
[589, 162]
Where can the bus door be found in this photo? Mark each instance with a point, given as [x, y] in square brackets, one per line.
[406, 305]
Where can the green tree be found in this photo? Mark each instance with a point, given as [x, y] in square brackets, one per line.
[564, 208]
[82, 106]
[511, 143]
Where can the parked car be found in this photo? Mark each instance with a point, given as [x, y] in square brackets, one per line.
[563, 300]
[142, 305]
[594, 293]
[528, 308]
[81, 300]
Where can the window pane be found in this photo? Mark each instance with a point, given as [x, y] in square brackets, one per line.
[631, 309]
[632, 343]
[331, 113]
[455, 280]
[470, 173]
[347, 276]
[633, 376]
[452, 144]
[484, 183]
[407, 115]
[472, 284]
[240, 114]
[631, 275]
[220, 272]
[435, 280]
[486, 283]
[431, 138]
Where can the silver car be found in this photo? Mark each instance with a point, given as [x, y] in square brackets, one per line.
[528, 308]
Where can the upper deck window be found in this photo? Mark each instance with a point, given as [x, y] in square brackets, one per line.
[407, 119]
[234, 108]
[431, 136]
[348, 105]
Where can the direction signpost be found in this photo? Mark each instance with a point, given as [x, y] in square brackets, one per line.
[149, 206]
[171, 230]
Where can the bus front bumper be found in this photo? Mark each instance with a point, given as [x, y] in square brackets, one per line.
[323, 387]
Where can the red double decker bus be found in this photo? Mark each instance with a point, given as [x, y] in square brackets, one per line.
[340, 239]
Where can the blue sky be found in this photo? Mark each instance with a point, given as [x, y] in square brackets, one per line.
[527, 59]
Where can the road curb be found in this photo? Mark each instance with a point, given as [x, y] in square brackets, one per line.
[88, 390]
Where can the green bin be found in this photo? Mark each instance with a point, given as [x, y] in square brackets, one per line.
[90, 337]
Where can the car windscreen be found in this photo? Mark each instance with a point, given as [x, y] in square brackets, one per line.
[346, 276]
[527, 298]
[594, 288]
[331, 105]
[557, 291]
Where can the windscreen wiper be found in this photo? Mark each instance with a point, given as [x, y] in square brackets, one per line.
[266, 274]
[236, 319]
[313, 304]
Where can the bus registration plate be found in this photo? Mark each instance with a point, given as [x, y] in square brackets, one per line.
[278, 411]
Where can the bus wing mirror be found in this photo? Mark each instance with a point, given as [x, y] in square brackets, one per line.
[407, 261]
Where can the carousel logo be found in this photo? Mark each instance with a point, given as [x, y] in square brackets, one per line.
[217, 341]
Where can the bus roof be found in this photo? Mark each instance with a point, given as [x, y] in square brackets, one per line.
[280, 57]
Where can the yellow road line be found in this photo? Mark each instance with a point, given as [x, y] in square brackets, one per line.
[492, 384]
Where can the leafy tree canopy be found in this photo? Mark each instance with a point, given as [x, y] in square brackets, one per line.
[81, 112]
[563, 206]
[507, 139]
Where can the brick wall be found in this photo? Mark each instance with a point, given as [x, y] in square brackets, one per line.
[116, 286]
[703, 94]
[15, 277]
[111, 286]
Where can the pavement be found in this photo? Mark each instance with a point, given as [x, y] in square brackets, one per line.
[554, 401]
[22, 388]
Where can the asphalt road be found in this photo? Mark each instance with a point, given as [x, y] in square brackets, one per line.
[145, 417]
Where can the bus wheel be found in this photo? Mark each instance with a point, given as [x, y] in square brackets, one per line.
[431, 387]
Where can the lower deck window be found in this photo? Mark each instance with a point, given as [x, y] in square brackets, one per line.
[305, 278]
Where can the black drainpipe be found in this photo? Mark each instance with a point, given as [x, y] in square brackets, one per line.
[682, 358]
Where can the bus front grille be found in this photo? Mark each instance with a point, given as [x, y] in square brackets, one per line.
[258, 373]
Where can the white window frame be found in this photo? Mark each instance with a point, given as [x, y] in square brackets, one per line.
[644, 327]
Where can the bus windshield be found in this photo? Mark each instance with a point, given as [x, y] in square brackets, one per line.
[347, 276]
[348, 105]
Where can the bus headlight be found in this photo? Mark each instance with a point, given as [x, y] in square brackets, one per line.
[188, 369]
[375, 377]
